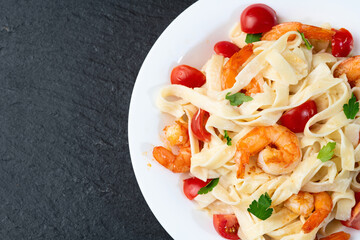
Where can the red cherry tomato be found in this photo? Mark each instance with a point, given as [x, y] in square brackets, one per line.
[357, 197]
[192, 187]
[258, 18]
[226, 225]
[354, 221]
[342, 43]
[226, 49]
[296, 118]
[198, 125]
[187, 76]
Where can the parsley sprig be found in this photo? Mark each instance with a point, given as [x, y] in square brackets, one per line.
[209, 187]
[261, 209]
[250, 38]
[351, 108]
[307, 43]
[228, 139]
[237, 98]
[326, 152]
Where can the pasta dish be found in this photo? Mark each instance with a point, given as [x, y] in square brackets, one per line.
[268, 130]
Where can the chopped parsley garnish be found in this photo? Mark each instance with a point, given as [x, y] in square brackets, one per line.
[228, 139]
[209, 187]
[250, 38]
[326, 152]
[237, 98]
[261, 209]
[351, 108]
[307, 43]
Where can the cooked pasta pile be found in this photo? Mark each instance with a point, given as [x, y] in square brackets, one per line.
[290, 74]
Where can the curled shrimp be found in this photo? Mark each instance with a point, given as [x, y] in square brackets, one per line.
[337, 236]
[351, 67]
[304, 204]
[233, 67]
[177, 135]
[278, 148]
[301, 203]
[310, 32]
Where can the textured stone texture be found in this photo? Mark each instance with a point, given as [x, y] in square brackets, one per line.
[67, 68]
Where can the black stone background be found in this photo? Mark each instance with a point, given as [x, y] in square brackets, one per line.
[67, 69]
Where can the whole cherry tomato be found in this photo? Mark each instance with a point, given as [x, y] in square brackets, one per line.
[342, 43]
[296, 118]
[354, 221]
[226, 225]
[258, 18]
[198, 125]
[187, 76]
[192, 187]
[226, 49]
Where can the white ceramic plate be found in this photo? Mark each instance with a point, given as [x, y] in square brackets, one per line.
[190, 39]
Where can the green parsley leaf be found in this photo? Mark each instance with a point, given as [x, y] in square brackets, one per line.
[228, 139]
[209, 187]
[261, 208]
[250, 38]
[326, 152]
[307, 43]
[237, 98]
[351, 108]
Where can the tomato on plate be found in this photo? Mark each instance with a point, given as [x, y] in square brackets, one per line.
[198, 125]
[354, 221]
[226, 49]
[226, 225]
[295, 119]
[192, 186]
[258, 18]
[187, 76]
[342, 43]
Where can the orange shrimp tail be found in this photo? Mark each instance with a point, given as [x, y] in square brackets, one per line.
[164, 156]
[310, 32]
[323, 206]
[244, 160]
[337, 236]
[232, 67]
[314, 220]
[351, 67]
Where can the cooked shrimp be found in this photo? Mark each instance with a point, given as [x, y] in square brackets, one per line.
[337, 236]
[253, 87]
[351, 67]
[323, 206]
[310, 32]
[233, 67]
[301, 203]
[278, 148]
[177, 135]
[304, 203]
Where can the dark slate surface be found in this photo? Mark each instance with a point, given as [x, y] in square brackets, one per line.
[67, 68]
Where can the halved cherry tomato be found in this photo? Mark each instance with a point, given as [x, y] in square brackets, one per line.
[198, 125]
[342, 43]
[226, 49]
[187, 76]
[296, 118]
[192, 187]
[226, 225]
[354, 221]
[357, 197]
[258, 18]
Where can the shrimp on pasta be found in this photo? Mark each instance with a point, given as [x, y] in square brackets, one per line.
[267, 131]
